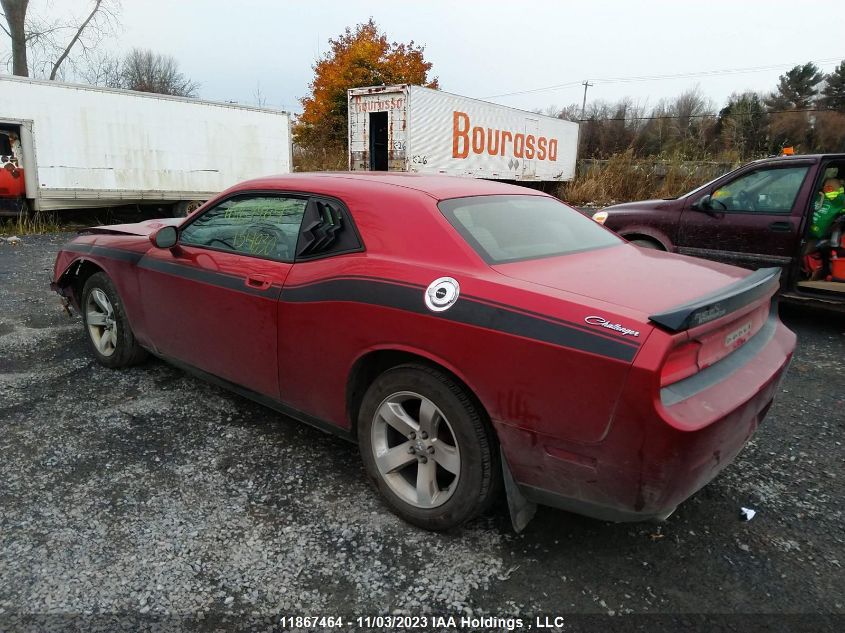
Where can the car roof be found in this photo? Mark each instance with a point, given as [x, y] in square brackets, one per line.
[798, 157]
[336, 183]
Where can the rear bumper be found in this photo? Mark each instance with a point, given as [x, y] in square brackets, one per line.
[651, 461]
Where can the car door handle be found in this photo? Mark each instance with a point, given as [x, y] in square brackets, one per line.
[259, 282]
[781, 227]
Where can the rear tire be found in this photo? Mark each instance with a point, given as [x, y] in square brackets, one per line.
[427, 447]
[647, 244]
[109, 334]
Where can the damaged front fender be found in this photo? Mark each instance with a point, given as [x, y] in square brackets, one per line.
[68, 285]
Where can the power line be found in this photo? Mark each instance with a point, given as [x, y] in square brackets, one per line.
[700, 116]
[702, 73]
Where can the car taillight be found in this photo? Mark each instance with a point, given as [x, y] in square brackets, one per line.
[681, 363]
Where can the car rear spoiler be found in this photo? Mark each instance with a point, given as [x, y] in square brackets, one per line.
[725, 300]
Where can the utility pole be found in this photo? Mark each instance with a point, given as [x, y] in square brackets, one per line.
[586, 85]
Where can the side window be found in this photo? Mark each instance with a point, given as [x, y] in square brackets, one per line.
[762, 191]
[260, 225]
[327, 229]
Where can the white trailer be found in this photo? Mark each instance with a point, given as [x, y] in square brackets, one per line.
[417, 129]
[83, 146]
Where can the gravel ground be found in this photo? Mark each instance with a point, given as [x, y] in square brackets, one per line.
[151, 496]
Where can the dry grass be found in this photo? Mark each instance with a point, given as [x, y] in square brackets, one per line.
[29, 224]
[623, 178]
[326, 158]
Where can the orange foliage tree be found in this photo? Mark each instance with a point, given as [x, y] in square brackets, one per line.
[359, 57]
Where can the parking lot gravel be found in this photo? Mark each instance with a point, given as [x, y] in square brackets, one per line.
[147, 494]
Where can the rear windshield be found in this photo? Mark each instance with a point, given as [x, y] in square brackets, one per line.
[513, 228]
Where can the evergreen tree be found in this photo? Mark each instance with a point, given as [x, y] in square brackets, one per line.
[797, 88]
[742, 125]
[833, 93]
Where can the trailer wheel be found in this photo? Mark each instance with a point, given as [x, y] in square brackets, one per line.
[184, 208]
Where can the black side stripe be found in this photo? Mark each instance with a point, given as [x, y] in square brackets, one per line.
[592, 331]
[398, 295]
[467, 311]
[509, 308]
[223, 280]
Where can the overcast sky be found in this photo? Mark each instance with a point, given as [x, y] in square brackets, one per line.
[481, 49]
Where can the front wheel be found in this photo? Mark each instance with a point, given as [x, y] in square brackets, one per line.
[109, 335]
[427, 448]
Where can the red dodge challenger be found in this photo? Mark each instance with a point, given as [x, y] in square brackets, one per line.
[469, 335]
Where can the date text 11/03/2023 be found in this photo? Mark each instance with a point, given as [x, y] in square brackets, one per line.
[425, 622]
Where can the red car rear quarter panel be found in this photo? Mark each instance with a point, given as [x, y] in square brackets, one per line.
[532, 383]
[537, 366]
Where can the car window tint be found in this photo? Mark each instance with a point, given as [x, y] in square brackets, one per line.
[262, 226]
[510, 228]
[764, 191]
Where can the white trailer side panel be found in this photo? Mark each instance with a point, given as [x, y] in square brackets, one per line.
[117, 146]
[450, 134]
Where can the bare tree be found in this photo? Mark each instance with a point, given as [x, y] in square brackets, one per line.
[142, 70]
[44, 44]
[147, 71]
[258, 96]
[102, 70]
[15, 13]
[73, 40]
[572, 112]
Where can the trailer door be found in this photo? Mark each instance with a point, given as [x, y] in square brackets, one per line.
[378, 141]
[30, 172]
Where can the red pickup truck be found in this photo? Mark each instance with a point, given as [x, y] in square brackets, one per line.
[756, 216]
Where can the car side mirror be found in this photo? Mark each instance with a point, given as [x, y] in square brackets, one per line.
[165, 237]
[704, 203]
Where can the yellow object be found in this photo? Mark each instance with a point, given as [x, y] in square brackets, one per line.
[832, 194]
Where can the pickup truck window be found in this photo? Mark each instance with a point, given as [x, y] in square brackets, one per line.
[771, 190]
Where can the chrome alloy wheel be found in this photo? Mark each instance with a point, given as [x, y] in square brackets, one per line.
[101, 322]
[415, 449]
